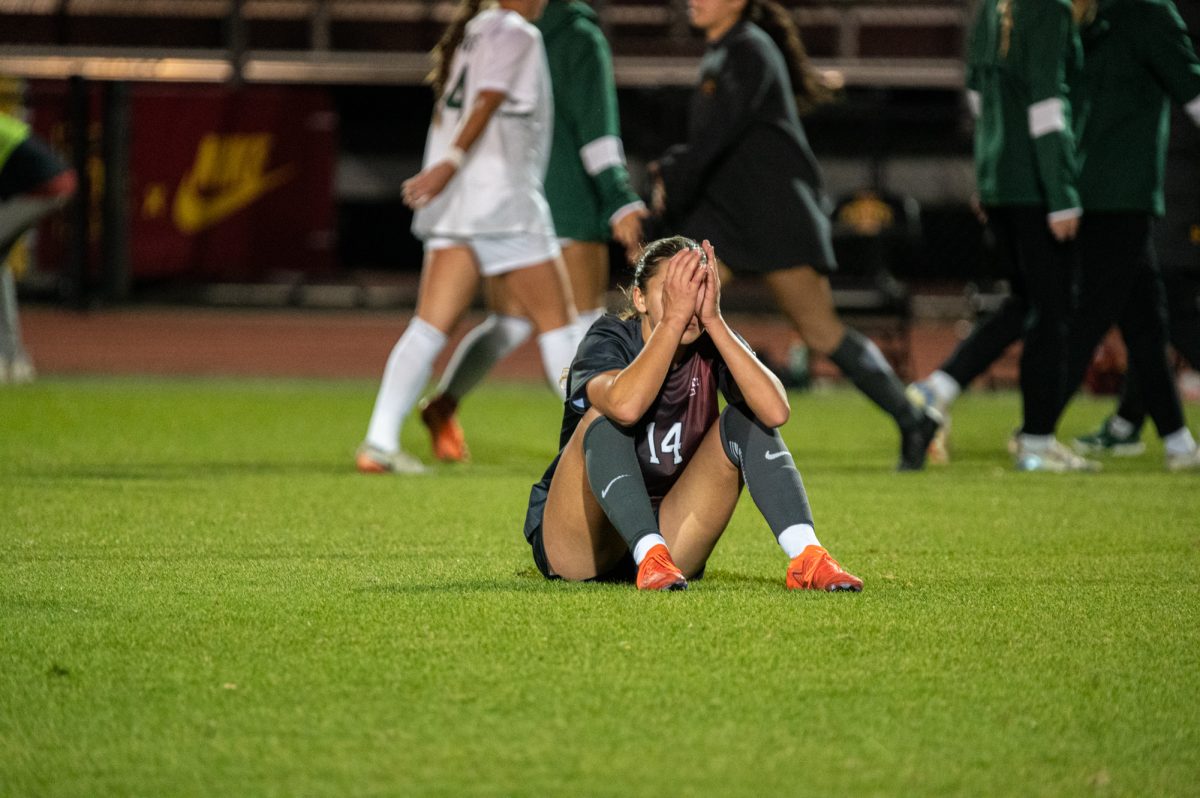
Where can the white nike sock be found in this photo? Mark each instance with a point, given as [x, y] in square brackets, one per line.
[796, 538]
[480, 349]
[644, 544]
[587, 318]
[558, 350]
[408, 369]
[945, 388]
[1180, 442]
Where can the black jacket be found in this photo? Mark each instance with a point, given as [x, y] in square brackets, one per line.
[746, 177]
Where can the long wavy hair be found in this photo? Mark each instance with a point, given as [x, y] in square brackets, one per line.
[807, 81]
[443, 51]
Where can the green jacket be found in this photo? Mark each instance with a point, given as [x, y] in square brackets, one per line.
[12, 132]
[586, 182]
[1021, 57]
[1138, 58]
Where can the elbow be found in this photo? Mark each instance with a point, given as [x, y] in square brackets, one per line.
[775, 412]
[776, 417]
[623, 414]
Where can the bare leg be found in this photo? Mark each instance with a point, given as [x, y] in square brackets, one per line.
[448, 283]
[542, 293]
[806, 298]
[695, 513]
[449, 280]
[587, 269]
[581, 543]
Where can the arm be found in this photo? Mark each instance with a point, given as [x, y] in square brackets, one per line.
[625, 396]
[503, 74]
[423, 187]
[761, 390]
[722, 113]
[1050, 36]
[592, 108]
[1163, 44]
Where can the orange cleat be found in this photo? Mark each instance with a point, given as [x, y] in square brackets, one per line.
[658, 571]
[814, 569]
[371, 460]
[449, 442]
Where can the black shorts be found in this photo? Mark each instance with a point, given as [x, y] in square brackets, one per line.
[770, 240]
[625, 570]
[29, 165]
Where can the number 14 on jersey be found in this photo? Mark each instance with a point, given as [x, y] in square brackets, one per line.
[668, 445]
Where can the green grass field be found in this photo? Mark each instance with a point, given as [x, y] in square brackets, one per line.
[199, 597]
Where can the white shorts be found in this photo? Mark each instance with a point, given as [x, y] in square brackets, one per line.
[503, 253]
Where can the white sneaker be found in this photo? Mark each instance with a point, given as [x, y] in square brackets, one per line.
[1055, 459]
[21, 371]
[921, 395]
[1184, 462]
[372, 460]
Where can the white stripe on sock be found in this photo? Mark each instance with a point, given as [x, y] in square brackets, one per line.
[1047, 116]
[643, 546]
[796, 538]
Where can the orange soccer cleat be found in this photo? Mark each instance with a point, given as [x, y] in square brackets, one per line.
[373, 460]
[449, 442]
[658, 571]
[814, 569]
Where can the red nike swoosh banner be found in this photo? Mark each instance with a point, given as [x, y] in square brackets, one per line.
[225, 184]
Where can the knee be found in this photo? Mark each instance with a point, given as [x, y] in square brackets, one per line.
[738, 426]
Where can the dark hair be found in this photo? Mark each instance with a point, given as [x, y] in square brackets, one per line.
[443, 51]
[777, 22]
[653, 255]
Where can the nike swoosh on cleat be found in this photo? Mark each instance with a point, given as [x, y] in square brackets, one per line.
[776, 455]
[604, 492]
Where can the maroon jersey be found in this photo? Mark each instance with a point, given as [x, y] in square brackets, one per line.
[671, 429]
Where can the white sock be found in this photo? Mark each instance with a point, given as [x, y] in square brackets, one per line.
[945, 388]
[644, 544]
[408, 369]
[1119, 427]
[796, 538]
[587, 318]
[558, 350]
[493, 340]
[1035, 443]
[1180, 442]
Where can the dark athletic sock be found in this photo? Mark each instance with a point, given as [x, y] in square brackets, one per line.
[768, 470]
[610, 454]
[861, 361]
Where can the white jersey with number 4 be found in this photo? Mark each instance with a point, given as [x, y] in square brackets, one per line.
[498, 190]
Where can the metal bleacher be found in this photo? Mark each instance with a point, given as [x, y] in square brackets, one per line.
[386, 41]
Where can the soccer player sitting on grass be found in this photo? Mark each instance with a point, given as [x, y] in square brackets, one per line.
[650, 470]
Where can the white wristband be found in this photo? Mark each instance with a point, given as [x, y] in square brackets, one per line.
[455, 156]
